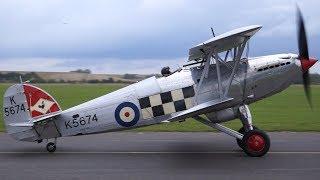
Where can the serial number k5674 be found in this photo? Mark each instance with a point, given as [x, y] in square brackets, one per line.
[15, 109]
[80, 121]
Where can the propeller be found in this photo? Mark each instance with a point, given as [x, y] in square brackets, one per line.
[306, 62]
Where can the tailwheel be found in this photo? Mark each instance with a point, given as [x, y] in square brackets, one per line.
[51, 147]
[242, 131]
[256, 143]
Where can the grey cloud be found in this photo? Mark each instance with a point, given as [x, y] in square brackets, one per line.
[141, 29]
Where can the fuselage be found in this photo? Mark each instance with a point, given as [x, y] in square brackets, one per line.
[259, 78]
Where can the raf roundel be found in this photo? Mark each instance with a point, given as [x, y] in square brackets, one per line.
[127, 114]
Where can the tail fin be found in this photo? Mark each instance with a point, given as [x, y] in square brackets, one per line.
[22, 104]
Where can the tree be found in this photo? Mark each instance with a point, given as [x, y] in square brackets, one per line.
[86, 71]
[129, 76]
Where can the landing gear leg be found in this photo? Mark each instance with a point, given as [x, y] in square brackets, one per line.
[246, 120]
[51, 146]
[255, 142]
[245, 117]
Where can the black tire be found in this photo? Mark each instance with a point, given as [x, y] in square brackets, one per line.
[256, 143]
[51, 147]
[241, 130]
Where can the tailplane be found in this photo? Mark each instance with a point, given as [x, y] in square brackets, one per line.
[22, 105]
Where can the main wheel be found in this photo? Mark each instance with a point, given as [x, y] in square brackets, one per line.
[242, 131]
[256, 143]
[51, 147]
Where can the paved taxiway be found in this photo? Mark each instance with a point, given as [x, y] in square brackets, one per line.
[129, 155]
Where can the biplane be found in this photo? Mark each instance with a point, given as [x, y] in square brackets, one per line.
[217, 84]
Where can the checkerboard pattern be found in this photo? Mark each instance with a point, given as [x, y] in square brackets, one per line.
[167, 102]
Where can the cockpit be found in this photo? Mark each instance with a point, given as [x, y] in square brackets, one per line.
[165, 71]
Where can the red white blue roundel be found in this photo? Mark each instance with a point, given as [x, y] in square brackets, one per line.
[127, 114]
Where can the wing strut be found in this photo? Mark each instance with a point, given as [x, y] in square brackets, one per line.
[219, 76]
[205, 71]
[238, 52]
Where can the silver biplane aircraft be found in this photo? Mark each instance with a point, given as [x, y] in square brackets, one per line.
[209, 89]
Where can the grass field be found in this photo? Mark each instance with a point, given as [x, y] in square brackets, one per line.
[287, 111]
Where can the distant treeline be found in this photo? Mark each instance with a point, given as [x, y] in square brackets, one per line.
[314, 79]
[14, 77]
[86, 71]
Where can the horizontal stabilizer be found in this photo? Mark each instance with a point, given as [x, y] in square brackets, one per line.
[47, 117]
[21, 124]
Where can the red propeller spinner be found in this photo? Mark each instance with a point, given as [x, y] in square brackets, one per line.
[306, 64]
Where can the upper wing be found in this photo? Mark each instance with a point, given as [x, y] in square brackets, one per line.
[223, 42]
[203, 108]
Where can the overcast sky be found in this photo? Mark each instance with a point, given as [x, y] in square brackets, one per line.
[139, 36]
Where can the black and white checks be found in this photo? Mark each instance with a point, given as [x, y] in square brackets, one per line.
[167, 102]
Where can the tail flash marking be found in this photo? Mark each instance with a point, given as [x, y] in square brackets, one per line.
[39, 102]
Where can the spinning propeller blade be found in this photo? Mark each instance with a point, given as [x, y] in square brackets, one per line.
[306, 62]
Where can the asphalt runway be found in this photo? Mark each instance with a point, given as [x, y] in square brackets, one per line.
[129, 155]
